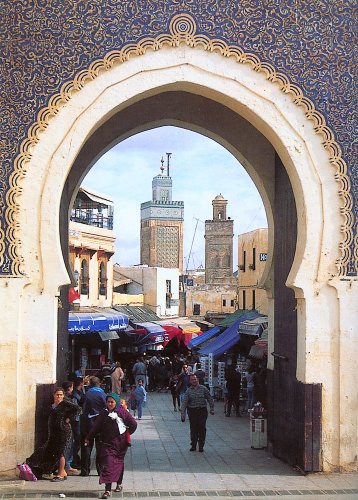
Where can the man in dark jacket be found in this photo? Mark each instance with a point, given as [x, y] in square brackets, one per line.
[233, 383]
[94, 402]
[200, 374]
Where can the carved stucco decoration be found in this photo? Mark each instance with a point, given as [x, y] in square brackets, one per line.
[183, 29]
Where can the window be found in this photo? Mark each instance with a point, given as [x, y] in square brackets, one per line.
[84, 278]
[196, 310]
[232, 303]
[244, 299]
[102, 279]
[224, 302]
[243, 266]
[253, 299]
[253, 265]
[168, 296]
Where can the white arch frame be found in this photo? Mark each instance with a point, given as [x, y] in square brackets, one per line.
[274, 114]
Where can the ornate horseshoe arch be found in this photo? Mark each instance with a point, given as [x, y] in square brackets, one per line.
[182, 30]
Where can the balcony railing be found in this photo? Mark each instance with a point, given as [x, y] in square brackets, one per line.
[92, 218]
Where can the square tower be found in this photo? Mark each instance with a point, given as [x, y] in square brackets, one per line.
[219, 234]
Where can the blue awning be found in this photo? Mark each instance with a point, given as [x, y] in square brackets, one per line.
[228, 338]
[95, 322]
[204, 337]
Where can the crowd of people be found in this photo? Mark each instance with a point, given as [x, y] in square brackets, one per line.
[101, 412]
[79, 420]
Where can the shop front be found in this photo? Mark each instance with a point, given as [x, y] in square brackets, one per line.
[92, 336]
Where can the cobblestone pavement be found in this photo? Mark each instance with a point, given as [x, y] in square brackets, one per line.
[159, 464]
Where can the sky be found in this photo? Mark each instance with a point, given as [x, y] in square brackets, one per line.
[200, 170]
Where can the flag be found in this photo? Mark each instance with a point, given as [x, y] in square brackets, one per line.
[73, 295]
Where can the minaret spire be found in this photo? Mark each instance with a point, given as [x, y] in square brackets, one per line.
[168, 160]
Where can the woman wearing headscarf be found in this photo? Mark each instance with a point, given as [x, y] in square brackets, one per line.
[112, 427]
[51, 456]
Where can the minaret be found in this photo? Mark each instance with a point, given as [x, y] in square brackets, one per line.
[161, 227]
[219, 233]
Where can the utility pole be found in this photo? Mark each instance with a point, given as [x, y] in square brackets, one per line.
[187, 264]
[192, 242]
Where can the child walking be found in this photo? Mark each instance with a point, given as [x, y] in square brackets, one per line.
[140, 397]
[132, 400]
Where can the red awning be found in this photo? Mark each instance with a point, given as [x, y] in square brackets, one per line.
[172, 332]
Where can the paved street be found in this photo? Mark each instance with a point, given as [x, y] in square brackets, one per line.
[159, 464]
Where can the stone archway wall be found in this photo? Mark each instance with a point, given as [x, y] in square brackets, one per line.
[326, 344]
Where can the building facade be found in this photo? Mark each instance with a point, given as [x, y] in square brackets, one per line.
[252, 252]
[219, 233]
[212, 69]
[161, 227]
[159, 287]
[202, 299]
[91, 246]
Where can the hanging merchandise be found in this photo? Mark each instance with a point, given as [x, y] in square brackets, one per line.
[211, 373]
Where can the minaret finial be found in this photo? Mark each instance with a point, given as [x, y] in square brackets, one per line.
[162, 167]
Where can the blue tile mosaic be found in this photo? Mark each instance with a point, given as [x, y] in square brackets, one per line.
[45, 43]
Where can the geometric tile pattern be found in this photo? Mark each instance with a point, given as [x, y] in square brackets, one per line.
[48, 47]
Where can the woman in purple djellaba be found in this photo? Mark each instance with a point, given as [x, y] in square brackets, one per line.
[113, 426]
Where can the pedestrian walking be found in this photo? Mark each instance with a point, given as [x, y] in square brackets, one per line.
[117, 377]
[94, 402]
[233, 383]
[68, 387]
[183, 382]
[140, 397]
[106, 375]
[250, 387]
[139, 371]
[174, 379]
[199, 372]
[112, 426]
[132, 400]
[195, 401]
[78, 395]
[152, 373]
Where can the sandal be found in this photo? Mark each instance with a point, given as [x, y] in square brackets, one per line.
[118, 488]
[106, 494]
[57, 479]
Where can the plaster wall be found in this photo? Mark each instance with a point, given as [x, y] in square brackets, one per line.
[250, 279]
[210, 298]
[127, 299]
[153, 286]
[327, 312]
